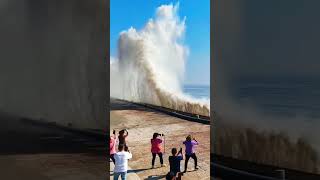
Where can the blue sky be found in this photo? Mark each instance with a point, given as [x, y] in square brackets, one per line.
[127, 13]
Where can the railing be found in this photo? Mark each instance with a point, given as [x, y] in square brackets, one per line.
[172, 112]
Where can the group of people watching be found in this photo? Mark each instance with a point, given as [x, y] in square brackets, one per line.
[120, 158]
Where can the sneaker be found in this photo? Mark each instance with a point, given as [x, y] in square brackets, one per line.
[163, 165]
[196, 168]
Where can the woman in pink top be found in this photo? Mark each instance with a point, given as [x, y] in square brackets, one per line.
[113, 151]
[156, 149]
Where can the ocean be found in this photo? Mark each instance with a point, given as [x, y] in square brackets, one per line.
[197, 91]
[150, 65]
[283, 97]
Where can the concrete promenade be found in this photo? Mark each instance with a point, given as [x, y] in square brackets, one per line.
[142, 123]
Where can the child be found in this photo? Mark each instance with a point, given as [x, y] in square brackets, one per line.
[174, 161]
[156, 149]
[190, 152]
[113, 140]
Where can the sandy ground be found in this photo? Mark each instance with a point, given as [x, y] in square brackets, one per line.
[142, 123]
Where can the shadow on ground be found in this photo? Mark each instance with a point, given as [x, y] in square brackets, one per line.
[155, 177]
[137, 170]
[132, 171]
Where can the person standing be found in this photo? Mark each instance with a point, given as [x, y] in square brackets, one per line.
[156, 149]
[123, 135]
[190, 152]
[121, 163]
[113, 151]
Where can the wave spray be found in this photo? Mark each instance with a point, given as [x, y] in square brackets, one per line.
[150, 65]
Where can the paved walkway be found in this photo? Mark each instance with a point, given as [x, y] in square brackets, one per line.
[142, 123]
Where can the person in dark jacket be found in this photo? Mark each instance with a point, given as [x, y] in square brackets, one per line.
[174, 162]
[122, 138]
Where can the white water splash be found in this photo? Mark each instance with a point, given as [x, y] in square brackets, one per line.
[150, 66]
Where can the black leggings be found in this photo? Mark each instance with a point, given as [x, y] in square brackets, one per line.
[112, 158]
[194, 157]
[154, 158]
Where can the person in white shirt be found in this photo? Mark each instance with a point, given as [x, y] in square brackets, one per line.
[121, 165]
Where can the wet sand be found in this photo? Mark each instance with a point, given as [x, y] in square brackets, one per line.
[142, 123]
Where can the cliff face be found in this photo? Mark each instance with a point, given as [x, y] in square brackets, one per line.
[52, 61]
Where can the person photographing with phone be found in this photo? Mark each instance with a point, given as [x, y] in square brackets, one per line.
[190, 151]
[123, 134]
[174, 161]
[156, 148]
[121, 165]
